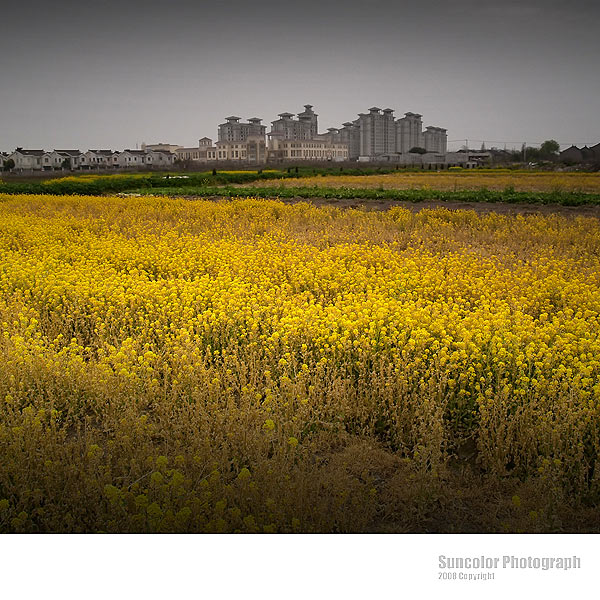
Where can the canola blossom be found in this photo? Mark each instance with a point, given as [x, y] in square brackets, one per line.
[169, 361]
[463, 179]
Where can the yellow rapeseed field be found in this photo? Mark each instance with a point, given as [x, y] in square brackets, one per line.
[459, 180]
[246, 365]
[92, 177]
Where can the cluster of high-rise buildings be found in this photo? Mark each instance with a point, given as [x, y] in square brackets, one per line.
[373, 136]
[379, 134]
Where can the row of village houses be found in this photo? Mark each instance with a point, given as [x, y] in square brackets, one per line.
[164, 155]
[41, 160]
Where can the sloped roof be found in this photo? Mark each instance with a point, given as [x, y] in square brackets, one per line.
[69, 152]
[30, 152]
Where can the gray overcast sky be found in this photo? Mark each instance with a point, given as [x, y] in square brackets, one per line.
[114, 73]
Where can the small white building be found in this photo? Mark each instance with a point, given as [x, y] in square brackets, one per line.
[72, 158]
[159, 158]
[51, 161]
[99, 159]
[131, 159]
[27, 160]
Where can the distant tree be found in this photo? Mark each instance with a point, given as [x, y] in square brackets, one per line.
[66, 164]
[550, 148]
[418, 150]
[9, 164]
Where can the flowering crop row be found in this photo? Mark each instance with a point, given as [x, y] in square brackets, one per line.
[538, 181]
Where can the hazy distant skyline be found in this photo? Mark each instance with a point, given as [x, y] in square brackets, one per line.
[115, 74]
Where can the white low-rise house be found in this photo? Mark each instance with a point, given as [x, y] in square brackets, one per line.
[468, 159]
[60, 159]
[51, 161]
[72, 156]
[30, 160]
[131, 159]
[159, 158]
[3, 159]
[99, 159]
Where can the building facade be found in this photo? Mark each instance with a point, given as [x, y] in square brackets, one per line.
[435, 139]
[161, 146]
[235, 131]
[252, 150]
[27, 159]
[573, 154]
[310, 150]
[159, 158]
[299, 139]
[204, 152]
[99, 159]
[377, 135]
[377, 132]
[305, 127]
[71, 158]
[409, 132]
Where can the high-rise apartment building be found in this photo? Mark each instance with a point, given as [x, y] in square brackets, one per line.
[377, 132]
[305, 127]
[435, 139]
[409, 132]
[350, 134]
[234, 131]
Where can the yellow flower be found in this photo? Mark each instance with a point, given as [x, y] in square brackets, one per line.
[244, 474]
